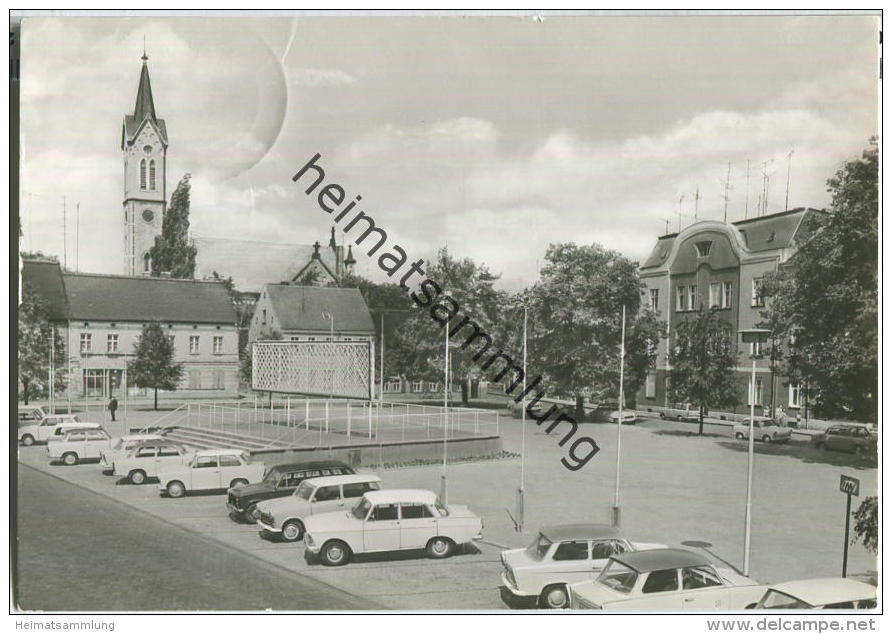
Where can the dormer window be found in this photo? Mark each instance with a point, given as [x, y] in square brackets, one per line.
[771, 236]
[703, 248]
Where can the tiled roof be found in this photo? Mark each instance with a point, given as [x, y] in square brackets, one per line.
[252, 264]
[144, 109]
[143, 299]
[44, 278]
[776, 231]
[301, 308]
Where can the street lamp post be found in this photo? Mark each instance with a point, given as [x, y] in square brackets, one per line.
[330, 319]
[523, 420]
[619, 425]
[751, 336]
[443, 487]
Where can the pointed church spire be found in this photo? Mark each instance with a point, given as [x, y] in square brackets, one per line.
[145, 105]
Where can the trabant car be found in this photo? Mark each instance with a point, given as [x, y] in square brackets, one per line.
[630, 416]
[29, 414]
[207, 470]
[389, 520]
[831, 593]
[281, 480]
[120, 448]
[765, 430]
[560, 555]
[78, 444]
[284, 517]
[852, 437]
[41, 432]
[665, 579]
[148, 458]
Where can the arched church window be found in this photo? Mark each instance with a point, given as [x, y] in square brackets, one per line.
[147, 263]
[152, 174]
[142, 174]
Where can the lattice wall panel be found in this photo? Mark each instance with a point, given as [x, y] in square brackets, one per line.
[341, 368]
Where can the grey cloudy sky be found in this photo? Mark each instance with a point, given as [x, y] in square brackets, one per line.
[494, 135]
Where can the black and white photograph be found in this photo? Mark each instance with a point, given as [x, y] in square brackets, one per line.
[446, 312]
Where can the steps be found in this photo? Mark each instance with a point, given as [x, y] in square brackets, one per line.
[200, 438]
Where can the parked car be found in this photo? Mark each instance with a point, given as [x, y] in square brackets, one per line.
[831, 593]
[78, 444]
[852, 437]
[280, 481]
[40, 432]
[148, 458]
[765, 430]
[560, 555]
[284, 517]
[681, 412]
[31, 413]
[630, 416]
[208, 470]
[389, 520]
[667, 579]
[517, 408]
[120, 448]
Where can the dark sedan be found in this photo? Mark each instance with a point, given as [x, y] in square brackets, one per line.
[847, 437]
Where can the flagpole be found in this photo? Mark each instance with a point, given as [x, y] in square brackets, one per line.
[619, 422]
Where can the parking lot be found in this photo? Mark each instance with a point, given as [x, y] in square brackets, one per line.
[675, 487]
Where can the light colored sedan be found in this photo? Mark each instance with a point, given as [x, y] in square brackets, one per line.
[120, 448]
[390, 520]
[560, 555]
[285, 517]
[765, 430]
[668, 579]
[831, 593]
[79, 443]
[630, 416]
[211, 469]
[147, 459]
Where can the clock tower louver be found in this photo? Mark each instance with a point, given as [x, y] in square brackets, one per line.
[144, 147]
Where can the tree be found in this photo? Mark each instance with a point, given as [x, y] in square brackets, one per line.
[575, 323]
[35, 338]
[154, 366]
[824, 301]
[703, 359]
[866, 523]
[173, 253]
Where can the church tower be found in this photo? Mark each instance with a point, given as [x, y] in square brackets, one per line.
[144, 147]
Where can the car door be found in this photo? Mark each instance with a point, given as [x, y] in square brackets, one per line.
[702, 589]
[837, 439]
[417, 525]
[144, 458]
[167, 455]
[231, 468]
[327, 499]
[601, 552]
[205, 473]
[570, 562]
[96, 441]
[47, 427]
[381, 529]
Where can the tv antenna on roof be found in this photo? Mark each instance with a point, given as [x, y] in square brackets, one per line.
[728, 187]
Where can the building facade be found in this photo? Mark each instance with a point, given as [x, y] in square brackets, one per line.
[100, 318]
[144, 148]
[721, 265]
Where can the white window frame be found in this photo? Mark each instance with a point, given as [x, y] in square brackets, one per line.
[681, 297]
[111, 343]
[714, 294]
[86, 342]
[795, 394]
[194, 344]
[756, 349]
[692, 297]
[759, 391]
[655, 300]
[727, 292]
[218, 344]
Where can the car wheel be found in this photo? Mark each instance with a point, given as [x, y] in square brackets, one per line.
[137, 476]
[292, 530]
[679, 418]
[176, 489]
[252, 514]
[554, 597]
[27, 440]
[766, 438]
[439, 547]
[69, 458]
[739, 436]
[335, 553]
[237, 483]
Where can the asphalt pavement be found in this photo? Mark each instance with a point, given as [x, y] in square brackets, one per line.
[78, 550]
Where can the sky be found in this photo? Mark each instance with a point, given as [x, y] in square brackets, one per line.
[494, 136]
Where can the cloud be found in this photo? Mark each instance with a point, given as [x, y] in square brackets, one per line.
[311, 77]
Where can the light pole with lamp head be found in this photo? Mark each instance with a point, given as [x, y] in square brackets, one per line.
[751, 336]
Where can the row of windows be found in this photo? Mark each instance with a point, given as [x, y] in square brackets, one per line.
[142, 174]
[720, 294]
[111, 345]
[299, 338]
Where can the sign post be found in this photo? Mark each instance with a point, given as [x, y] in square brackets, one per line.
[849, 486]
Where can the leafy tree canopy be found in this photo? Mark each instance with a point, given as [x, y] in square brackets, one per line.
[35, 338]
[154, 366]
[173, 253]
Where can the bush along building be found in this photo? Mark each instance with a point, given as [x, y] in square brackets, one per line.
[720, 265]
[100, 317]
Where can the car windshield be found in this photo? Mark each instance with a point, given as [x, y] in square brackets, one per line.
[539, 547]
[617, 576]
[361, 509]
[774, 600]
[304, 491]
[271, 477]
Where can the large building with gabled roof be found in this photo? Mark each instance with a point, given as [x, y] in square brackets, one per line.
[721, 265]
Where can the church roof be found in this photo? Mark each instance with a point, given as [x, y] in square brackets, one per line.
[252, 264]
[301, 308]
[145, 299]
[143, 110]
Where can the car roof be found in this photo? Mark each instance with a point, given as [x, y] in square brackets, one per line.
[146, 437]
[219, 452]
[854, 425]
[325, 481]
[568, 532]
[312, 464]
[77, 425]
[387, 496]
[648, 560]
[827, 590]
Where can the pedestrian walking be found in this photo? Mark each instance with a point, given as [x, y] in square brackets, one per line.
[112, 407]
